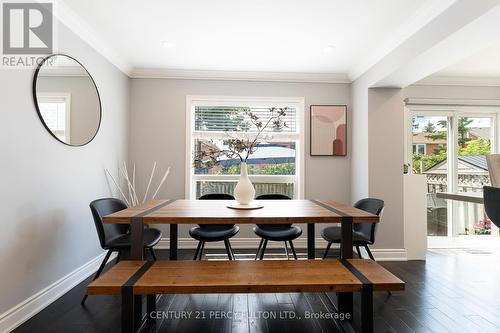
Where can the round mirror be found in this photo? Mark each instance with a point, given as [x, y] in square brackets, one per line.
[67, 100]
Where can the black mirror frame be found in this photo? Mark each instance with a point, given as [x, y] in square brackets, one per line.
[35, 77]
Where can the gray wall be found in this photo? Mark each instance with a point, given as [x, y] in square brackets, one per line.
[385, 162]
[47, 228]
[84, 103]
[158, 131]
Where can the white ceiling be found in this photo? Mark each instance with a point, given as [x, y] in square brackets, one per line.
[483, 64]
[258, 35]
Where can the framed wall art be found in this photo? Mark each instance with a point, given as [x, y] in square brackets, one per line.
[328, 130]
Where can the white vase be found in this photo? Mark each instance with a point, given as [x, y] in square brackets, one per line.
[244, 192]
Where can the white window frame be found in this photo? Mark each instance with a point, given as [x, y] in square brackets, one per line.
[419, 145]
[47, 97]
[297, 102]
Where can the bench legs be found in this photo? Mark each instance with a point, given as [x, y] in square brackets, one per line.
[367, 309]
[132, 311]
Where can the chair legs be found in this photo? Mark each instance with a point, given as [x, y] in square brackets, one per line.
[231, 249]
[197, 251]
[359, 252]
[228, 249]
[118, 257]
[98, 273]
[369, 252]
[286, 252]
[293, 250]
[153, 254]
[263, 249]
[259, 248]
[327, 250]
[198, 254]
[201, 250]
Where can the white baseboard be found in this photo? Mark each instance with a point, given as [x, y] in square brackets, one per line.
[253, 243]
[20, 313]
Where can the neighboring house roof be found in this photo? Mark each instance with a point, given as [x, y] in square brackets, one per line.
[422, 138]
[479, 132]
[467, 164]
[265, 154]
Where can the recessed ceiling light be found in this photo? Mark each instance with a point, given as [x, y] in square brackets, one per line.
[329, 49]
[167, 44]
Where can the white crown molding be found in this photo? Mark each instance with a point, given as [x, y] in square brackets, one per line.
[80, 27]
[423, 16]
[300, 244]
[20, 313]
[442, 80]
[159, 73]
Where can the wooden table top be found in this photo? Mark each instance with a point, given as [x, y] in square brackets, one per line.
[217, 212]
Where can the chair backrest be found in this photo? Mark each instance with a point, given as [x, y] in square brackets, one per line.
[103, 207]
[274, 196]
[492, 203]
[373, 206]
[216, 196]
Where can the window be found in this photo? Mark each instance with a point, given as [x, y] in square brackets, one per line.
[55, 110]
[457, 139]
[419, 148]
[275, 167]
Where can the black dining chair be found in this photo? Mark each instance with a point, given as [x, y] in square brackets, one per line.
[204, 233]
[276, 232]
[492, 203]
[116, 237]
[363, 233]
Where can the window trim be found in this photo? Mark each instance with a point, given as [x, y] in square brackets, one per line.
[297, 102]
[420, 144]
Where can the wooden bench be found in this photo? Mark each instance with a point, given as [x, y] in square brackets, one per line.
[133, 279]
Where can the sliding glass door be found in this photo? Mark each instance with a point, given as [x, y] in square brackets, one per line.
[449, 146]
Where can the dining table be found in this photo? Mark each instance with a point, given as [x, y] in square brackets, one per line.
[310, 212]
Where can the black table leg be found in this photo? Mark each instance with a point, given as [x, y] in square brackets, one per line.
[128, 316]
[137, 312]
[345, 299]
[174, 235]
[311, 247]
[136, 228]
[150, 308]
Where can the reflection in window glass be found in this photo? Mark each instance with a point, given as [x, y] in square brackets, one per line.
[54, 116]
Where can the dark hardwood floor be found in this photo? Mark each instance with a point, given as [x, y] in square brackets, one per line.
[453, 291]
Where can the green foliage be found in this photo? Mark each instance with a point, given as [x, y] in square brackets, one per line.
[429, 128]
[473, 147]
[421, 161]
[463, 122]
[476, 147]
[438, 135]
[467, 146]
[269, 169]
